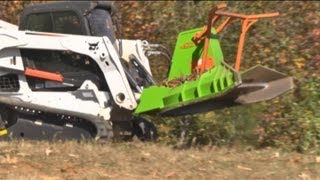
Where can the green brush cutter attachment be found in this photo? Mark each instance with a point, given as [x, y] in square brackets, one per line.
[200, 80]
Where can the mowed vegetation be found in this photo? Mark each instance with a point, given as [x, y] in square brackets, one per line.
[136, 160]
[246, 135]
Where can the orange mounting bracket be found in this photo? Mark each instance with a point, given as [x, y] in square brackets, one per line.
[43, 75]
[215, 14]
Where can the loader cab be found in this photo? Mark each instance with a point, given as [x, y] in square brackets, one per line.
[76, 18]
[79, 18]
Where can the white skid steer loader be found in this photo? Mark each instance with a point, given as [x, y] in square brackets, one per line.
[70, 85]
[64, 75]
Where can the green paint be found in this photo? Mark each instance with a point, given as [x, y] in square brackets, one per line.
[182, 57]
[210, 84]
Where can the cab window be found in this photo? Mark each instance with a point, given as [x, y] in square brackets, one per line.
[66, 22]
[39, 22]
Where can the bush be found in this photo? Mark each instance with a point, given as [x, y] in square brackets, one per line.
[296, 126]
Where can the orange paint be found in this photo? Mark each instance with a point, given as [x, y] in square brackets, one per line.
[215, 14]
[43, 75]
[187, 45]
[198, 64]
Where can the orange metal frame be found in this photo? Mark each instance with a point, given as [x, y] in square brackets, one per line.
[215, 14]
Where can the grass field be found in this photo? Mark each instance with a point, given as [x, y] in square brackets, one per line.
[136, 160]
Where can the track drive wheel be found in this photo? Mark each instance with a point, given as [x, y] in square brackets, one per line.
[144, 129]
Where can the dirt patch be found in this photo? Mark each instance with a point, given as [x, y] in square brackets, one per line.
[90, 160]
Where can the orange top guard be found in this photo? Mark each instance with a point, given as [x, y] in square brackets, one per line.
[215, 14]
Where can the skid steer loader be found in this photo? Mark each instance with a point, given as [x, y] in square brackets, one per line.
[64, 74]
